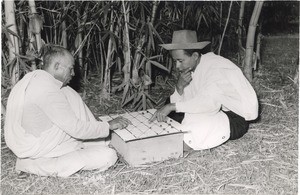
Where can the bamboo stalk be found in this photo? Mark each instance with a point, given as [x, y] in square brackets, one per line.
[106, 83]
[227, 20]
[154, 10]
[150, 39]
[86, 64]
[250, 40]
[79, 38]
[126, 50]
[13, 45]
[79, 33]
[101, 59]
[240, 31]
[64, 39]
[240, 23]
[21, 30]
[3, 111]
[37, 24]
[136, 64]
[183, 16]
[257, 53]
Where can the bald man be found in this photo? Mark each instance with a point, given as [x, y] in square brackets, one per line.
[48, 126]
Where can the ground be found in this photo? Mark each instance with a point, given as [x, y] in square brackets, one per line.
[264, 161]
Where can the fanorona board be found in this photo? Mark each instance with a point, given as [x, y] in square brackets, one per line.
[143, 142]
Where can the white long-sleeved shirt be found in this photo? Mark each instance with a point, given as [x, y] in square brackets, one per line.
[216, 84]
[45, 120]
[46, 105]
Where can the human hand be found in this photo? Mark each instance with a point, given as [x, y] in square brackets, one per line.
[185, 77]
[119, 123]
[161, 114]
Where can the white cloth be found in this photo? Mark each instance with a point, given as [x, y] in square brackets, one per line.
[71, 123]
[216, 84]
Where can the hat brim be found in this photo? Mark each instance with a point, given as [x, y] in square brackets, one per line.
[174, 46]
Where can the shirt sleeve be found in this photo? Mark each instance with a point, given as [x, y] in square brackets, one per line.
[201, 103]
[200, 96]
[175, 97]
[57, 108]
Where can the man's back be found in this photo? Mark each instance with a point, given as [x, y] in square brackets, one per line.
[35, 120]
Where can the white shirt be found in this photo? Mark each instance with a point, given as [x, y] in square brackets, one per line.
[45, 120]
[216, 84]
[46, 105]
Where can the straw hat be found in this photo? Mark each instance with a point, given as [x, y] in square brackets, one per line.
[185, 39]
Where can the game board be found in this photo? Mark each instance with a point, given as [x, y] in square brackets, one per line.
[143, 142]
[141, 128]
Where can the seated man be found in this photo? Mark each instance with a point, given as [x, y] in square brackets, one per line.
[213, 94]
[49, 127]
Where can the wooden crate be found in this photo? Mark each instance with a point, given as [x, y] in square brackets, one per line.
[144, 142]
[142, 151]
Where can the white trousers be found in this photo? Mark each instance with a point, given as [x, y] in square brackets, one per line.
[87, 158]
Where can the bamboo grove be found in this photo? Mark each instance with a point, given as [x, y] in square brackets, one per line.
[114, 38]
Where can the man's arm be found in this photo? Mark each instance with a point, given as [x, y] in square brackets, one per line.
[57, 108]
[163, 112]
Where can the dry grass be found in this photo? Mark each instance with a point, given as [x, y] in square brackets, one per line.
[264, 161]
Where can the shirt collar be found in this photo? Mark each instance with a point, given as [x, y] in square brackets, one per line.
[51, 77]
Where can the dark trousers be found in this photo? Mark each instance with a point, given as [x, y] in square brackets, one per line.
[238, 125]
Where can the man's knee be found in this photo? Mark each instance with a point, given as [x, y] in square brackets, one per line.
[111, 156]
[99, 157]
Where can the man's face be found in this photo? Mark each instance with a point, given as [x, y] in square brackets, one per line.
[65, 71]
[184, 61]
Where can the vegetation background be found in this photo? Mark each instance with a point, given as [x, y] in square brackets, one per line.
[120, 65]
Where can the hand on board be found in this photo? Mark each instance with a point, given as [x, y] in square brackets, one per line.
[119, 123]
[161, 114]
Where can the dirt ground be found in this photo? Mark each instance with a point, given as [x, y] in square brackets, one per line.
[264, 161]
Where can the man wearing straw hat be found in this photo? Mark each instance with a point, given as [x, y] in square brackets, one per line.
[48, 126]
[213, 94]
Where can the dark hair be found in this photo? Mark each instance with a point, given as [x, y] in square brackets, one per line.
[52, 52]
[190, 52]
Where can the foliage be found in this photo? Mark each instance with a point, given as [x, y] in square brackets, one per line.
[90, 28]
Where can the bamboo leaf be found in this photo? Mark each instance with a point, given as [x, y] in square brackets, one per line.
[199, 20]
[22, 63]
[126, 89]
[150, 104]
[204, 18]
[153, 57]
[156, 33]
[138, 106]
[146, 80]
[151, 39]
[142, 62]
[29, 56]
[138, 97]
[4, 58]
[144, 102]
[158, 65]
[128, 100]
[148, 96]
[13, 33]
[12, 63]
[7, 36]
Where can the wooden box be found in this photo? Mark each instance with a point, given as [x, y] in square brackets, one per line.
[144, 142]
